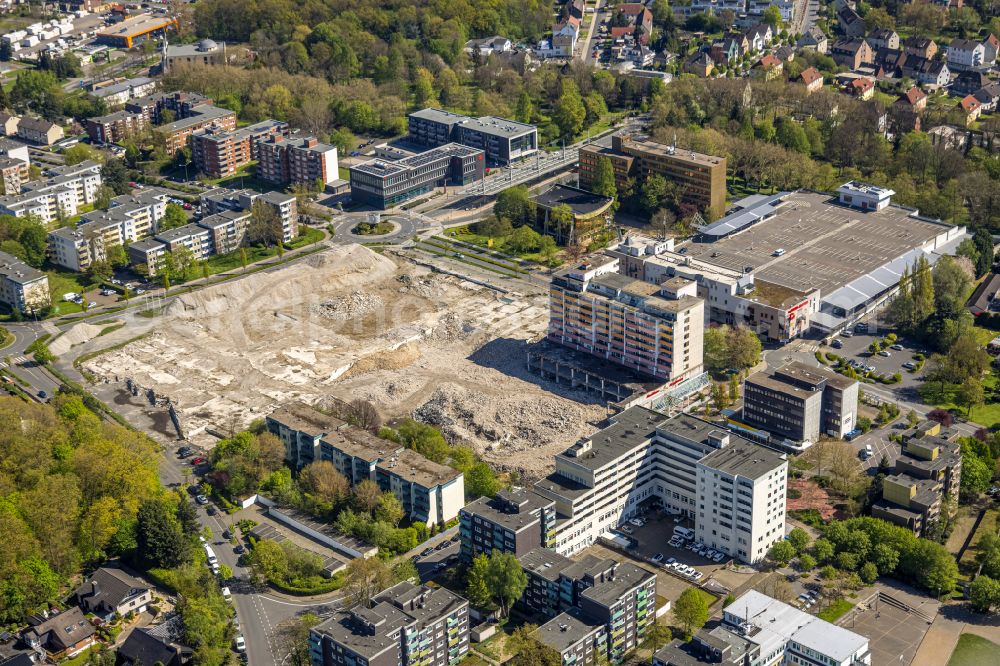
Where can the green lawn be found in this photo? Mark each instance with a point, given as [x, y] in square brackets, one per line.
[973, 650]
[709, 597]
[835, 611]
[64, 282]
[987, 415]
[78, 660]
[231, 261]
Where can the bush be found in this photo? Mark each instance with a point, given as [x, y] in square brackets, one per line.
[794, 493]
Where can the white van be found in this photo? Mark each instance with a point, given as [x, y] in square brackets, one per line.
[683, 532]
[212, 559]
[777, 253]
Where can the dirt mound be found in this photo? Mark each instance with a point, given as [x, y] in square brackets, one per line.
[507, 424]
[77, 335]
[393, 359]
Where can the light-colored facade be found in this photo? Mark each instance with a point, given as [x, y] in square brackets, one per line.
[36, 130]
[655, 330]
[21, 286]
[59, 195]
[205, 52]
[429, 492]
[130, 218]
[643, 456]
[762, 631]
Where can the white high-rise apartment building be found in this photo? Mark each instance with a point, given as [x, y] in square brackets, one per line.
[733, 489]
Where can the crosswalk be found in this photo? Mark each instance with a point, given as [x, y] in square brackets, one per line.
[16, 360]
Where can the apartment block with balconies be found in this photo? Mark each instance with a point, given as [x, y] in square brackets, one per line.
[514, 521]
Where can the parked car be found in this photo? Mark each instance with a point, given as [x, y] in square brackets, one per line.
[226, 594]
[241, 645]
[897, 347]
[837, 344]
[200, 460]
[719, 557]
[885, 353]
[239, 549]
[658, 557]
[186, 206]
[426, 551]
[210, 510]
[442, 545]
[201, 499]
[909, 365]
[637, 522]
[847, 334]
[670, 562]
[626, 529]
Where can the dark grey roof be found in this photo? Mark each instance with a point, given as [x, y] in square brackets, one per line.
[113, 586]
[581, 202]
[566, 630]
[147, 648]
[744, 459]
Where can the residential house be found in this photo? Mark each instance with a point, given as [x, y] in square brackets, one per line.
[968, 82]
[971, 108]
[813, 39]
[111, 591]
[883, 38]
[989, 97]
[700, 64]
[639, 21]
[850, 22]
[759, 36]
[914, 99]
[725, 51]
[143, 647]
[564, 36]
[812, 79]
[927, 72]
[966, 54]
[889, 60]
[768, 68]
[22, 287]
[991, 49]
[37, 130]
[64, 635]
[489, 45]
[852, 53]
[861, 87]
[785, 53]
[920, 46]
[8, 123]
[575, 8]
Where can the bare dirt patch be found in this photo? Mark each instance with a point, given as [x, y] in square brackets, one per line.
[350, 323]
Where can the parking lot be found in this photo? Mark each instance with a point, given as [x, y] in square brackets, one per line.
[654, 538]
[856, 347]
[881, 446]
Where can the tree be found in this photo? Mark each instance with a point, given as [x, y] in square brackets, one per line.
[799, 539]
[390, 509]
[781, 553]
[657, 636]
[365, 578]
[115, 175]
[497, 581]
[691, 611]
[977, 473]
[744, 348]
[653, 193]
[569, 113]
[604, 178]
[984, 244]
[159, 540]
[984, 594]
[951, 286]
[515, 204]
[970, 394]
[79, 153]
[362, 414]
[367, 495]
[533, 653]
[40, 351]
[264, 226]
[772, 16]
[173, 217]
[524, 239]
[322, 479]
[268, 562]
[481, 480]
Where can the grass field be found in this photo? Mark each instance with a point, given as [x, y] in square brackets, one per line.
[835, 611]
[987, 414]
[231, 261]
[63, 282]
[973, 650]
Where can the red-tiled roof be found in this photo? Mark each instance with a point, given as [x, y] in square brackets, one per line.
[970, 103]
[810, 76]
[913, 95]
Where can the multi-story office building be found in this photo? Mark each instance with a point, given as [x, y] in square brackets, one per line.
[59, 195]
[115, 127]
[799, 403]
[514, 521]
[130, 217]
[406, 625]
[429, 492]
[741, 499]
[502, 141]
[22, 287]
[218, 153]
[757, 629]
[702, 178]
[384, 184]
[296, 159]
[643, 456]
[928, 470]
[656, 330]
[619, 598]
